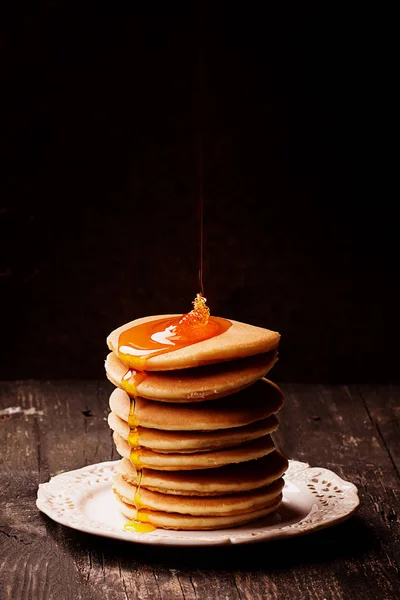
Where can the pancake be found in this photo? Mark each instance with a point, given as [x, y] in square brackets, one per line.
[166, 520]
[240, 477]
[190, 441]
[239, 341]
[254, 403]
[143, 457]
[190, 385]
[225, 505]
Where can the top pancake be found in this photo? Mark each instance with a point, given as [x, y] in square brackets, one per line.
[239, 341]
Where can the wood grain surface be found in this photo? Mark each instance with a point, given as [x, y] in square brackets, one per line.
[61, 425]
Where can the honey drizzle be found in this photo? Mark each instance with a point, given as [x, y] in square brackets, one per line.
[141, 523]
[136, 500]
[132, 422]
[142, 516]
[133, 438]
[135, 458]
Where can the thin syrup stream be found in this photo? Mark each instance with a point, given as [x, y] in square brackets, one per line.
[201, 199]
[200, 134]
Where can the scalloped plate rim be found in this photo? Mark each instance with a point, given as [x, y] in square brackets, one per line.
[209, 538]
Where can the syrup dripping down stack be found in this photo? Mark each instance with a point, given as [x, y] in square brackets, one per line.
[192, 416]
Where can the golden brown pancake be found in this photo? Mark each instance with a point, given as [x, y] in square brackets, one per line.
[241, 477]
[143, 457]
[228, 504]
[166, 520]
[190, 441]
[239, 341]
[192, 385]
[254, 403]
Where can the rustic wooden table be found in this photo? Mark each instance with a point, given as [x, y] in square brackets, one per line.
[61, 425]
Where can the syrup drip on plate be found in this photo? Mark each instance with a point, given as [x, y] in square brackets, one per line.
[139, 526]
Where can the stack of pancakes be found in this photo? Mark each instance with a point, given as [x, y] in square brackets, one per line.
[194, 429]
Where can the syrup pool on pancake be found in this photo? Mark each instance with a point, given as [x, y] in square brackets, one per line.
[143, 341]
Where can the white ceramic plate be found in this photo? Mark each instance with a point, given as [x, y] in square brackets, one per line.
[313, 498]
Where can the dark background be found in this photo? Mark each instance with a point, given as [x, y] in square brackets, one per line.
[104, 111]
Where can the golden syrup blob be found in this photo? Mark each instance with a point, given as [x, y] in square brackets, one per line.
[131, 380]
[139, 527]
[160, 336]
